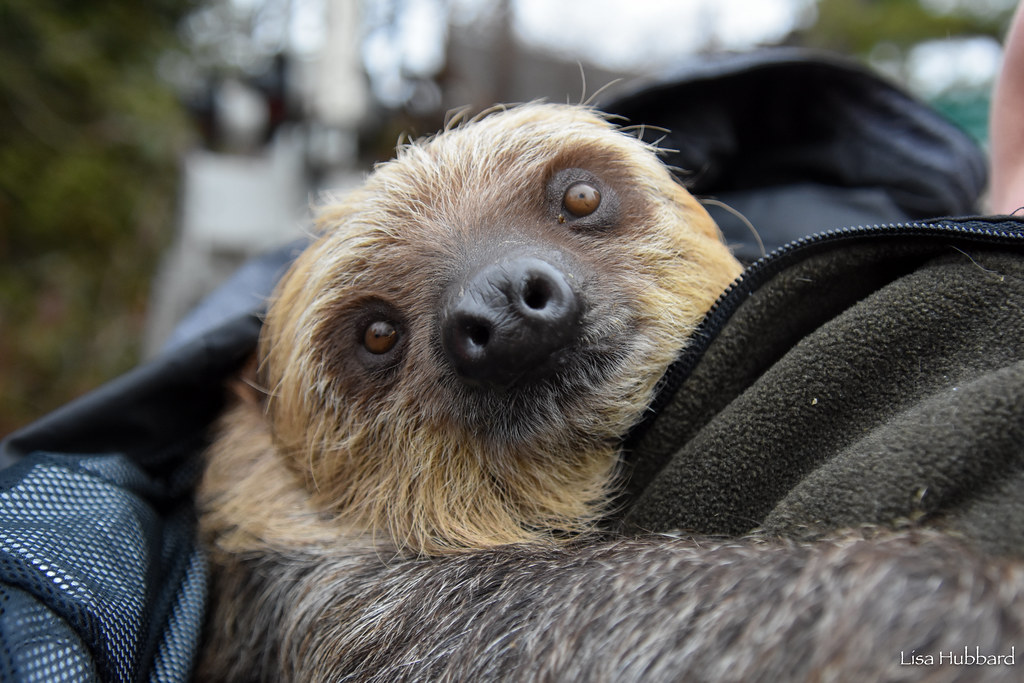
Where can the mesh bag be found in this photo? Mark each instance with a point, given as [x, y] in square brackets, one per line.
[91, 566]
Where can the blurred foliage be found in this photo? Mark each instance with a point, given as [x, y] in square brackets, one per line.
[89, 145]
[968, 110]
[857, 26]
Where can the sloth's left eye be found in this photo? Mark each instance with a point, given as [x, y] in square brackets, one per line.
[581, 199]
[380, 337]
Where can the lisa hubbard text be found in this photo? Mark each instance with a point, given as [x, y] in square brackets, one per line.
[952, 658]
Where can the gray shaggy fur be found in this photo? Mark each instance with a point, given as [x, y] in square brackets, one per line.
[853, 608]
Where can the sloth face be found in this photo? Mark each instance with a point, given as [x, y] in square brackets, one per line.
[503, 297]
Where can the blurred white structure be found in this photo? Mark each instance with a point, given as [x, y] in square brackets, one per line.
[233, 207]
[237, 204]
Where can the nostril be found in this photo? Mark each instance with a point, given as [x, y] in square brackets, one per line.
[477, 333]
[537, 293]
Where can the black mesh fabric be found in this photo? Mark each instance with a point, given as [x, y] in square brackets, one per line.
[101, 577]
[87, 560]
[38, 645]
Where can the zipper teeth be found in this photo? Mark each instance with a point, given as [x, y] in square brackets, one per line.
[979, 228]
[769, 264]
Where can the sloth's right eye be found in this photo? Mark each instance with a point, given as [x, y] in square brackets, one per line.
[380, 337]
[581, 199]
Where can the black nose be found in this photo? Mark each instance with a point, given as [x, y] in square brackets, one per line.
[507, 321]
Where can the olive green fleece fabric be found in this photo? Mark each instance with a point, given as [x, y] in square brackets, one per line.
[872, 383]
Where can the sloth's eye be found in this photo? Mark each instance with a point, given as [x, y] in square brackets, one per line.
[380, 337]
[581, 199]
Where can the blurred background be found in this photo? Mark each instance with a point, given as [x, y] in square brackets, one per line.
[148, 148]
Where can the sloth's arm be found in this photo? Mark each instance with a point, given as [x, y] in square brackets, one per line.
[652, 609]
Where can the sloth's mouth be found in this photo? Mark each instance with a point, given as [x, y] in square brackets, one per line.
[575, 386]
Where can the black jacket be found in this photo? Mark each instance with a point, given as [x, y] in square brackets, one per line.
[866, 376]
